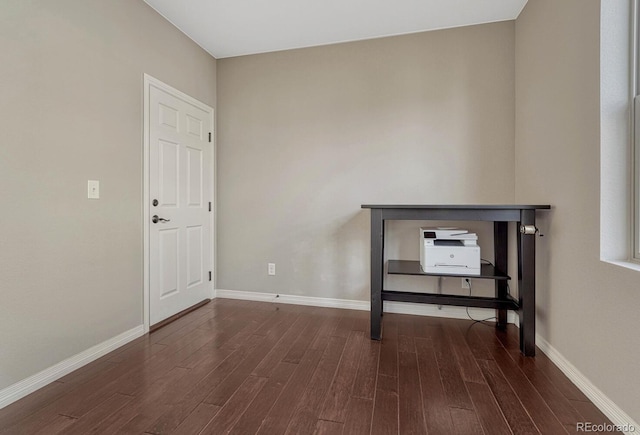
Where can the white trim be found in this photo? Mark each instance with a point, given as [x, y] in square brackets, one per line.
[605, 404]
[214, 211]
[634, 130]
[27, 386]
[145, 202]
[149, 81]
[292, 299]
[348, 304]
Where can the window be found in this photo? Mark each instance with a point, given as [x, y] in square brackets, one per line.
[619, 220]
[634, 87]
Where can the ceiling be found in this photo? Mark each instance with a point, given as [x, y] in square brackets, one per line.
[228, 28]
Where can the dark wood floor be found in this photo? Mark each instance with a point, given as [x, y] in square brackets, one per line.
[248, 367]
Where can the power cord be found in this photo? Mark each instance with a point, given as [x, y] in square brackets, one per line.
[468, 281]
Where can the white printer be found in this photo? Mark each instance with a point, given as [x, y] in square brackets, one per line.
[449, 251]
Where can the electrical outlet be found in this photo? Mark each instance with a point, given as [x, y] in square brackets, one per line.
[93, 189]
[465, 283]
[271, 268]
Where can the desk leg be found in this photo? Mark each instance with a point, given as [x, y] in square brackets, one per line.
[377, 271]
[527, 284]
[500, 249]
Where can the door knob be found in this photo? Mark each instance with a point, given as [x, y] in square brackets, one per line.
[155, 219]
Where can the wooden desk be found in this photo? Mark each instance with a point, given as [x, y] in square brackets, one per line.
[500, 215]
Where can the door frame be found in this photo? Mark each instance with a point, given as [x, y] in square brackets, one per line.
[150, 81]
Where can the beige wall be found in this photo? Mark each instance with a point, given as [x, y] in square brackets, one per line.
[307, 136]
[587, 309]
[71, 108]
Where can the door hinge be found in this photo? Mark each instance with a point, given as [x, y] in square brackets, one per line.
[209, 136]
[209, 205]
[209, 275]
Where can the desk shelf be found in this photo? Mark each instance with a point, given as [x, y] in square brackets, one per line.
[407, 267]
[508, 303]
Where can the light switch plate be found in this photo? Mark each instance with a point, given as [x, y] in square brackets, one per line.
[93, 189]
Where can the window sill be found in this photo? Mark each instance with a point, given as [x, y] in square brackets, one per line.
[624, 263]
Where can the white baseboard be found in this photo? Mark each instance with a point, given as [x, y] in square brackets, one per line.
[27, 386]
[389, 306]
[617, 416]
[293, 299]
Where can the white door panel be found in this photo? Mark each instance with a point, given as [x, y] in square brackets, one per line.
[195, 254]
[180, 179]
[194, 177]
[168, 256]
[168, 172]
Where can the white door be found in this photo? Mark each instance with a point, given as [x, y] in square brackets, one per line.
[180, 195]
